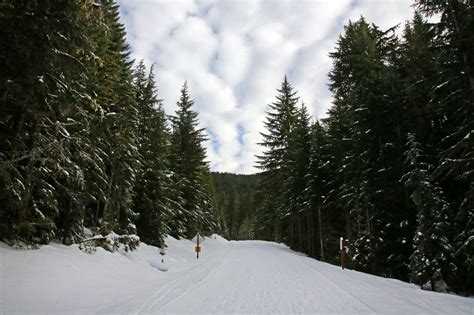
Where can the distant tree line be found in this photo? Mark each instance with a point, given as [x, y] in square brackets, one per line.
[391, 168]
[235, 201]
[84, 140]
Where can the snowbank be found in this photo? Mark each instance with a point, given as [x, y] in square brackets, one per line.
[64, 279]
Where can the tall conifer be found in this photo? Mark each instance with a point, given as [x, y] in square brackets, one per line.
[191, 169]
[279, 122]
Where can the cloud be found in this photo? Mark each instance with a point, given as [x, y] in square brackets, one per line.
[234, 55]
[232, 59]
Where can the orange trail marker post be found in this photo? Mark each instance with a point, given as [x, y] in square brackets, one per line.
[197, 249]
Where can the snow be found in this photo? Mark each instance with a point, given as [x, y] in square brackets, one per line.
[159, 264]
[229, 277]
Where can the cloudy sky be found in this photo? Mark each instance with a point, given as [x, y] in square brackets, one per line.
[235, 53]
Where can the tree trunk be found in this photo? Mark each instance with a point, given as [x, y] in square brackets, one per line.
[300, 234]
[96, 218]
[321, 241]
[29, 180]
[309, 234]
[108, 206]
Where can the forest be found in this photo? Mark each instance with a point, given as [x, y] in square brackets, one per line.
[236, 204]
[84, 139]
[85, 145]
[391, 167]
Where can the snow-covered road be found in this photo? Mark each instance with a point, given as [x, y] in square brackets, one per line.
[264, 277]
[255, 277]
[230, 277]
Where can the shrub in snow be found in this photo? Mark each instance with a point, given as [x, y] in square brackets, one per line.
[440, 286]
[111, 242]
[19, 244]
[40, 232]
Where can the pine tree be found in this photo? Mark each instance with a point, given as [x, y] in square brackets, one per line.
[432, 259]
[451, 98]
[191, 170]
[279, 122]
[364, 128]
[355, 61]
[116, 131]
[317, 181]
[295, 203]
[154, 191]
[45, 107]
[416, 66]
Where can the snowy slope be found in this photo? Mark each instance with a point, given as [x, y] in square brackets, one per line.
[229, 277]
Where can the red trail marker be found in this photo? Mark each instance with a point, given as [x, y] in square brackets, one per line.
[341, 248]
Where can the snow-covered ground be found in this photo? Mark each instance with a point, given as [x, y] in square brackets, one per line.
[229, 277]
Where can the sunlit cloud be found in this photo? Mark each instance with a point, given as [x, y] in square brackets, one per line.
[234, 55]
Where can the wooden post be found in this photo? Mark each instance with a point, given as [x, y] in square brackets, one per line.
[341, 248]
[197, 251]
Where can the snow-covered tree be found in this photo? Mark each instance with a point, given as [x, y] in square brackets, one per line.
[154, 192]
[295, 202]
[45, 108]
[279, 123]
[191, 170]
[432, 259]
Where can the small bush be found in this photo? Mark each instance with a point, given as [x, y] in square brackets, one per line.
[111, 242]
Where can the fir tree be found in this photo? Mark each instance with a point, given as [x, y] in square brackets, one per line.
[279, 122]
[432, 259]
[317, 181]
[117, 129]
[365, 126]
[154, 192]
[452, 96]
[191, 170]
[45, 107]
[295, 203]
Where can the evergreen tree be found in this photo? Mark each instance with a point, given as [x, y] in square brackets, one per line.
[191, 170]
[451, 98]
[295, 203]
[44, 109]
[355, 60]
[235, 199]
[432, 259]
[232, 211]
[118, 128]
[279, 122]
[416, 66]
[154, 193]
[317, 181]
[364, 125]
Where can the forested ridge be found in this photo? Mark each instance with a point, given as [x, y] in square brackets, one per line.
[85, 145]
[235, 201]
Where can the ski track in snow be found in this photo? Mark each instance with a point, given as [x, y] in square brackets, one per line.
[264, 277]
[243, 277]
[191, 281]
